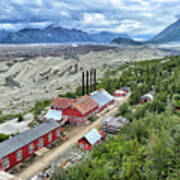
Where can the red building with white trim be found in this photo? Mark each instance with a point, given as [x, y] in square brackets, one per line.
[146, 98]
[16, 149]
[76, 110]
[119, 93]
[102, 98]
[91, 139]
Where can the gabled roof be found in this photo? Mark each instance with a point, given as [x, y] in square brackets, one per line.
[126, 88]
[120, 91]
[62, 103]
[13, 144]
[101, 97]
[54, 115]
[85, 104]
[93, 136]
[147, 96]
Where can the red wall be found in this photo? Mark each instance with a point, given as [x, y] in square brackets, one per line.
[74, 113]
[25, 153]
[119, 95]
[87, 146]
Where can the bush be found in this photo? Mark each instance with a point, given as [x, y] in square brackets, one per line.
[1, 111]
[40, 106]
[92, 118]
[123, 110]
[3, 137]
[8, 117]
[20, 118]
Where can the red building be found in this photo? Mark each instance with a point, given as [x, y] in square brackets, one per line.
[61, 103]
[80, 110]
[102, 98]
[76, 110]
[91, 139]
[146, 98]
[119, 93]
[126, 89]
[15, 150]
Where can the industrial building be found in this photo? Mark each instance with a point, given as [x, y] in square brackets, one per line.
[102, 98]
[16, 149]
[77, 111]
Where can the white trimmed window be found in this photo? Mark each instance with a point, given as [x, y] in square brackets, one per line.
[19, 155]
[57, 132]
[81, 146]
[41, 142]
[31, 148]
[49, 137]
[5, 162]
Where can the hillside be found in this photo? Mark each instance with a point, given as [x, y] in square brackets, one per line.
[106, 37]
[170, 34]
[148, 148]
[125, 41]
[34, 72]
[3, 34]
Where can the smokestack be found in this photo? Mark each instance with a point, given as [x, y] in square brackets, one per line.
[94, 79]
[83, 84]
[87, 83]
[91, 80]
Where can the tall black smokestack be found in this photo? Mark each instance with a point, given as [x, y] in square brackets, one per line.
[87, 83]
[94, 79]
[91, 80]
[83, 84]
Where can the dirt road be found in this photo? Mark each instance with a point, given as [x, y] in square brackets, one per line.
[42, 163]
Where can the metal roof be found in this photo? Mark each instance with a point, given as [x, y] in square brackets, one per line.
[62, 103]
[93, 136]
[85, 104]
[120, 91]
[54, 115]
[101, 97]
[148, 96]
[13, 144]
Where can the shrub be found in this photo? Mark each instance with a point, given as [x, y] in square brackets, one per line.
[20, 118]
[3, 137]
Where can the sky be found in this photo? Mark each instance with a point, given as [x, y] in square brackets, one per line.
[141, 19]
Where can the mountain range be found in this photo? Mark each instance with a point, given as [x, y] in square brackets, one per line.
[58, 34]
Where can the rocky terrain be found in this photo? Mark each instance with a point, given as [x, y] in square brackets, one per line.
[34, 72]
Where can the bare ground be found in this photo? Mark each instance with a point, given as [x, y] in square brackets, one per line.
[34, 72]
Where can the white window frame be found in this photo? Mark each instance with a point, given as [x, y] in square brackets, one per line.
[5, 163]
[31, 148]
[81, 145]
[49, 137]
[41, 143]
[58, 132]
[19, 155]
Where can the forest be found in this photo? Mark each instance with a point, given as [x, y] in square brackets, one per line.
[149, 147]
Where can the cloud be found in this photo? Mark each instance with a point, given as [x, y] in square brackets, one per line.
[134, 17]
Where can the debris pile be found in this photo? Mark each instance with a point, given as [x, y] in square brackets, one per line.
[112, 124]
